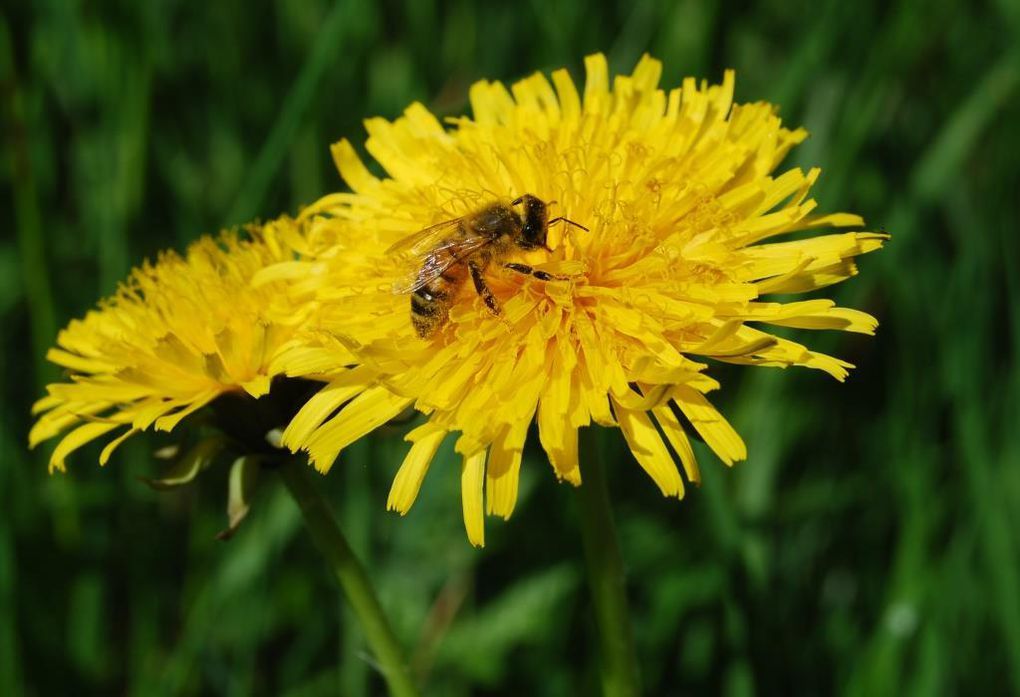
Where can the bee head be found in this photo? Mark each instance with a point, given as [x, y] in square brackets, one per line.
[534, 222]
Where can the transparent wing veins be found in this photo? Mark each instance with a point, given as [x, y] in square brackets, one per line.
[420, 243]
[430, 252]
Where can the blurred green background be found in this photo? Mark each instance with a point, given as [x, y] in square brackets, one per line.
[871, 543]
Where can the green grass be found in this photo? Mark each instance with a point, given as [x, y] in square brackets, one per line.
[868, 546]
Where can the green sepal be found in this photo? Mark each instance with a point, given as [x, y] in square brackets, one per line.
[244, 476]
[187, 467]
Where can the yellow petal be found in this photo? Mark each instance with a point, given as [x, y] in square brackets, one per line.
[76, 439]
[502, 474]
[407, 482]
[257, 386]
[104, 457]
[79, 364]
[285, 271]
[843, 318]
[596, 84]
[55, 421]
[557, 434]
[715, 429]
[490, 102]
[570, 103]
[678, 439]
[318, 408]
[45, 403]
[472, 474]
[167, 423]
[647, 73]
[351, 168]
[836, 220]
[299, 359]
[366, 412]
[649, 450]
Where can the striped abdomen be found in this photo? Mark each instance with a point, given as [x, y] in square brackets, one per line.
[430, 304]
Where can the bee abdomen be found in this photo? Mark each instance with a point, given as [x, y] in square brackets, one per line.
[429, 310]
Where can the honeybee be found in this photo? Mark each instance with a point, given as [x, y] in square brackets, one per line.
[447, 253]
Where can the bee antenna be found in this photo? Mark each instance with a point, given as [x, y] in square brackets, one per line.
[568, 221]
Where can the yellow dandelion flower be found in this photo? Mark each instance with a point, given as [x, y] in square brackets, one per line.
[176, 335]
[681, 200]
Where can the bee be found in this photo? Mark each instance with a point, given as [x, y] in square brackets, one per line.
[447, 253]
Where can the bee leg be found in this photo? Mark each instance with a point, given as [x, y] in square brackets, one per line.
[483, 290]
[526, 270]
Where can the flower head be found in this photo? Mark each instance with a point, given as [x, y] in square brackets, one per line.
[176, 335]
[679, 192]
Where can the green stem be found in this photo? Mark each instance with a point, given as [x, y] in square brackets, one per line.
[605, 574]
[355, 584]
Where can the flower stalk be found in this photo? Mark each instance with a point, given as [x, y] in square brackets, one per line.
[606, 578]
[354, 582]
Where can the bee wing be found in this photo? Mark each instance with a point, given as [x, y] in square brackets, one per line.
[414, 253]
[420, 243]
[431, 264]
